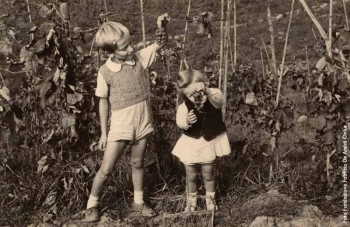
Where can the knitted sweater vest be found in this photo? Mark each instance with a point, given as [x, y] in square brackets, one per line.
[209, 122]
[127, 87]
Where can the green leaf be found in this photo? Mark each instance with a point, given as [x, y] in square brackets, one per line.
[25, 55]
[327, 97]
[5, 93]
[44, 91]
[250, 99]
[5, 47]
[317, 123]
[74, 98]
[68, 120]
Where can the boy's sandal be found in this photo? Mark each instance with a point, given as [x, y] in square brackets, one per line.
[88, 215]
[143, 209]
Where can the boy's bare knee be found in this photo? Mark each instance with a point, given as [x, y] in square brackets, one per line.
[136, 163]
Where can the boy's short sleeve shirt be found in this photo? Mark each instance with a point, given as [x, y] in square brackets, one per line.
[146, 57]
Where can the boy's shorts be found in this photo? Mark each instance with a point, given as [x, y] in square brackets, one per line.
[131, 123]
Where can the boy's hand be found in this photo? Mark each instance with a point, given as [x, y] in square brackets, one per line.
[102, 142]
[191, 118]
[163, 20]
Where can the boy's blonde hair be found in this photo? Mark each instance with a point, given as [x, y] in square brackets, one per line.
[109, 34]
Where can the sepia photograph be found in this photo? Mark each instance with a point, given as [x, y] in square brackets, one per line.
[174, 113]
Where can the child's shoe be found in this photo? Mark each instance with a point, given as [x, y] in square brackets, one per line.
[191, 202]
[88, 215]
[211, 204]
[143, 209]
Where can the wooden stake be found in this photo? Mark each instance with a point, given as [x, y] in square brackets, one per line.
[142, 24]
[106, 10]
[284, 53]
[227, 34]
[221, 42]
[231, 53]
[318, 25]
[308, 68]
[267, 54]
[30, 19]
[234, 34]
[330, 54]
[183, 61]
[262, 63]
[346, 16]
[273, 52]
[185, 34]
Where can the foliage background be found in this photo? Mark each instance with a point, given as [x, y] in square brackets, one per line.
[49, 127]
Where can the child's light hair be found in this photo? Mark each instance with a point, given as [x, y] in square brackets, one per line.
[109, 34]
[190, 76]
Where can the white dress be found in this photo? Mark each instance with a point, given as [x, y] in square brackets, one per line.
[192, 151]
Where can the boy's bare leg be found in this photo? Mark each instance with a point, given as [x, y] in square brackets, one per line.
[112, 153]
[138, 150]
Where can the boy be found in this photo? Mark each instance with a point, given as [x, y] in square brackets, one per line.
[123, 86]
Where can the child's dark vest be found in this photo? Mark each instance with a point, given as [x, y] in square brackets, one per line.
[209, 122]
[127, 87]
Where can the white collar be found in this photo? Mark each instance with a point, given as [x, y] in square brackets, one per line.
[116, 67]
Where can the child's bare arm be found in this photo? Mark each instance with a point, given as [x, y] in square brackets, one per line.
[215, 97]
[103, 110]
[184, 119]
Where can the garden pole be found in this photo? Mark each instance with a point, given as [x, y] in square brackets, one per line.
[284, 53]
[30, 19]
[143, 24]
[346, 16]
[272, 37]
[227, 34]
[221, 42]
[185, 34]
[330, 54]
[234, 34]
[106, 10]
[317, 24]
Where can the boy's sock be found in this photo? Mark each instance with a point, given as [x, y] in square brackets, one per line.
[92, 202]
[210, 200]
[138, 197]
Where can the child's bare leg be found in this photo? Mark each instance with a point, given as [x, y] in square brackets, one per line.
[208, 177]
[191, 177]
[209, 182]
[111, 155]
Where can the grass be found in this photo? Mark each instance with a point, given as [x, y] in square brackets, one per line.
[240, 177]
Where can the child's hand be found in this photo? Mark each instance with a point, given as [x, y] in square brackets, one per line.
[162, 20]
[102, 142]
[191, 118]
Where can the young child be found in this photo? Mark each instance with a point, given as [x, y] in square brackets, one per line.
[123, 86]
[204, 133]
